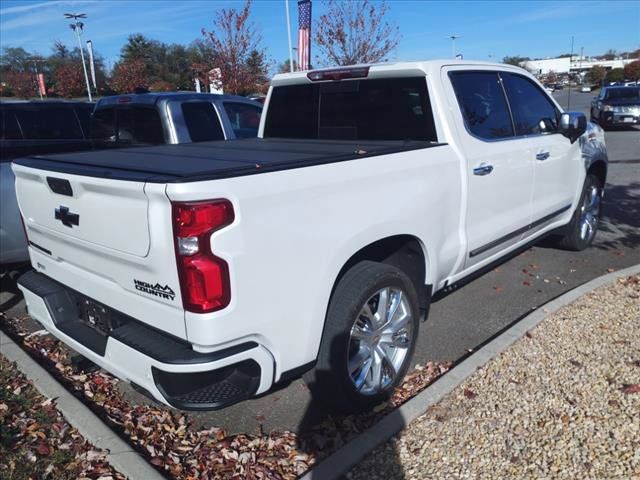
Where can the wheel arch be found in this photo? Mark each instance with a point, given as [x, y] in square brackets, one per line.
[405, 251]
[599, 169]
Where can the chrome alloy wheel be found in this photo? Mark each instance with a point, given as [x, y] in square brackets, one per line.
[589, 213]
[380, 339]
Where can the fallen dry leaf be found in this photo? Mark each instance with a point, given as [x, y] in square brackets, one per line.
[632, 388]
[470, 394]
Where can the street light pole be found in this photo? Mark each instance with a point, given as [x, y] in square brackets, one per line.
[286, 5]
[77, 26]
[453, 38]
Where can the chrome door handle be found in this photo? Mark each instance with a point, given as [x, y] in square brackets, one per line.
[483, 169]
[542, 155]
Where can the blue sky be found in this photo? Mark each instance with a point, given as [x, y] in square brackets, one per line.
[489, 29]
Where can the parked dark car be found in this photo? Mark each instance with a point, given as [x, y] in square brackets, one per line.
[33, 128]
[616, 106]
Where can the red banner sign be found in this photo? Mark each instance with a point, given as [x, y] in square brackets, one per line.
[41, 86]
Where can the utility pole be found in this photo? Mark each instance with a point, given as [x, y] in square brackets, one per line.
[77, 26]
[453, 39]
[286, 4]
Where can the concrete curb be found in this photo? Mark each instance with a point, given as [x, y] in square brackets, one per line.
[120, 454]
[348, 456]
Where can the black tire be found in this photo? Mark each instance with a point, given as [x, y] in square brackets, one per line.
[572, 238]
[330, 381]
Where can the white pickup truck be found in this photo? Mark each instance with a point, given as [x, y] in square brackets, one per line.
[207, 273]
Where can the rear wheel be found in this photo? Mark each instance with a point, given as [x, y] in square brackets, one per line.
[369, 337]
[584, 224]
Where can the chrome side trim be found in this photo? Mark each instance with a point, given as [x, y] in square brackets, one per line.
[517, 232]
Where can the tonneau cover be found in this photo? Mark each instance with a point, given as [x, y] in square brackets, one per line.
[212, 160]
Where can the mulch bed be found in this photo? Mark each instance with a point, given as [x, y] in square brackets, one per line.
[183, 451]
[35, 440]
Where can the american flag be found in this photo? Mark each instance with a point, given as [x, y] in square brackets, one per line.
[304, 34]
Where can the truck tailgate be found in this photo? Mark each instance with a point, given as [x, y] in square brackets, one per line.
[102, 212]
[110, 240]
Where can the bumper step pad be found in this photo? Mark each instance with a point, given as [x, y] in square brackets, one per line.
[205, 390]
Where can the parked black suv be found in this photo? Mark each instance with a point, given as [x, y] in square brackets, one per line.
[33, 128]
[39, 127]
[616, 106]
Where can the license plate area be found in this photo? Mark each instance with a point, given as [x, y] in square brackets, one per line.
[95, 315]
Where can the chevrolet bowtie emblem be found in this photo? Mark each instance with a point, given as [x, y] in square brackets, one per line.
[67, 218]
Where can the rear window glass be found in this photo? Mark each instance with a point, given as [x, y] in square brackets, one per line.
[9, 129]
[147, 127]
[202, 121]
[382, 109]
[483, 104]
[244, 118]
[50, 123]
[103, 125]
[127, 126]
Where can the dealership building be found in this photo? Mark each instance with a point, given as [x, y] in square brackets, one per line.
[575, 64]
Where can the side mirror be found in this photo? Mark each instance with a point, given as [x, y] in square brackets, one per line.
[573, 125]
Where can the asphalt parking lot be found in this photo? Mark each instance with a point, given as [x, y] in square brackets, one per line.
[464, 319]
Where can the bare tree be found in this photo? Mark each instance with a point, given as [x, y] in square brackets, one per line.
[355, 31]
[236, 44]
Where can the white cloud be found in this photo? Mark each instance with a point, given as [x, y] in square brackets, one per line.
[35, 6]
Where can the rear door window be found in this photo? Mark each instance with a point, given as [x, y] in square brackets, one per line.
[533, 112]
[483, 104]
[244, 118]
[377, 109]
[54, 122]
[202, 121]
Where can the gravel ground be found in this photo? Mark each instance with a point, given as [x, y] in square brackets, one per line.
[562, 402]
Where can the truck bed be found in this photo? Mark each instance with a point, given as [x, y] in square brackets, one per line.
[213, 160]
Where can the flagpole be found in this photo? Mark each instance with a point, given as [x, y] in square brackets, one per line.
[286, 4]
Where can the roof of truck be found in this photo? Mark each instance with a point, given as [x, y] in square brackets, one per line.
[153, 97]
[379, 70]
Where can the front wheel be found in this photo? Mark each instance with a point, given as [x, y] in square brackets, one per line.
[582, 229]
[369, 337]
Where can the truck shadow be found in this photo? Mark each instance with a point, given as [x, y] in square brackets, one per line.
[10, 294]
[324, 431]
[621, 217]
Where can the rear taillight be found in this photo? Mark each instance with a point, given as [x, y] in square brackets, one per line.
[204, 278]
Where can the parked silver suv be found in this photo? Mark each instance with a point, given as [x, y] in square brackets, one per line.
[173, 117]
